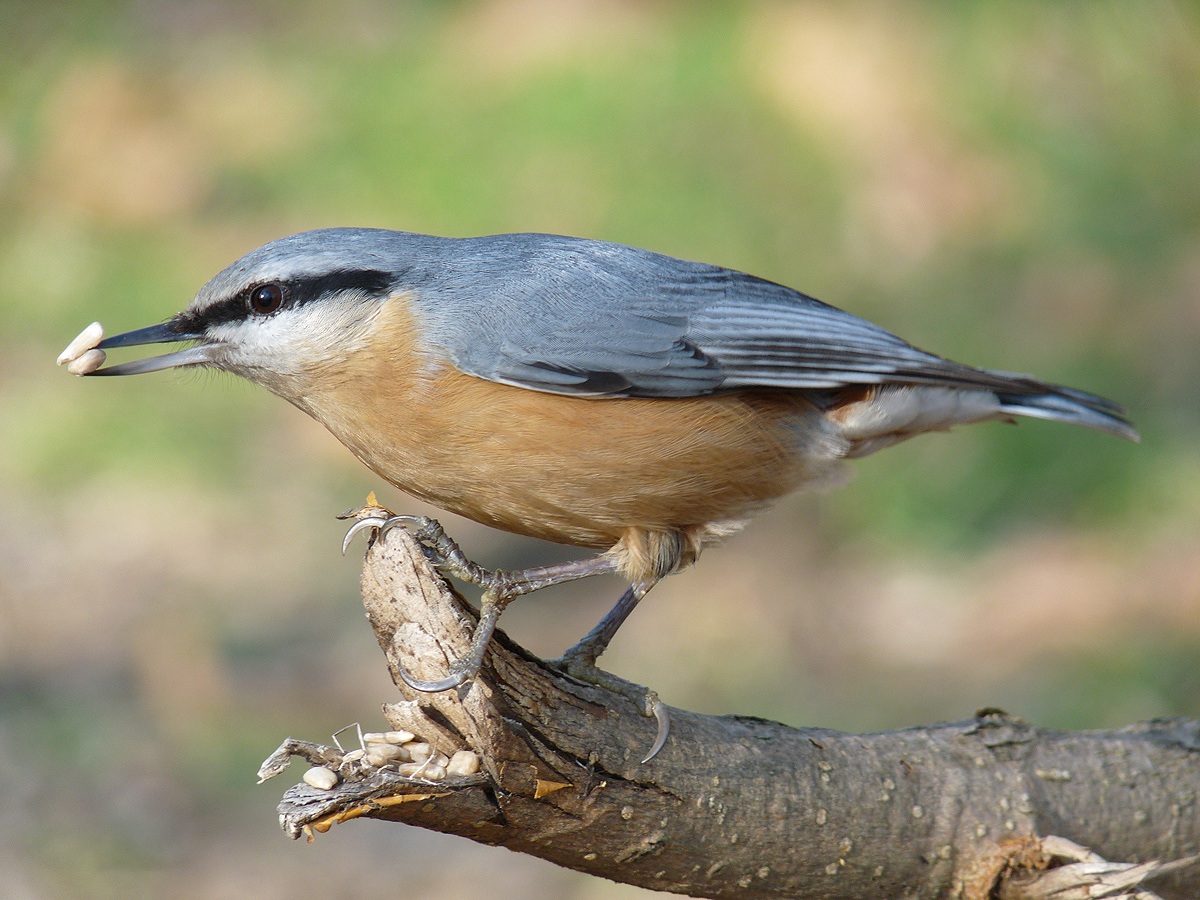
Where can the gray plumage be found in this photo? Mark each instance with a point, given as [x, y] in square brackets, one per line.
[591, 318]
[746, 390]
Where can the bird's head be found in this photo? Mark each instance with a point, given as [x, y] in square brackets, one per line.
[279, 313]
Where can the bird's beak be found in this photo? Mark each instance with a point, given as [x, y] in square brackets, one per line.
[156, 334]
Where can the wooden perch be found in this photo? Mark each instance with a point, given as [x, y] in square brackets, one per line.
[742, 807]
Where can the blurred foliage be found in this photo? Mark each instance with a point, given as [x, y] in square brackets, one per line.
[1019, 188]
[1015, 185]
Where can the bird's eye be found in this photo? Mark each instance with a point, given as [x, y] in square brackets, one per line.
[266, 298]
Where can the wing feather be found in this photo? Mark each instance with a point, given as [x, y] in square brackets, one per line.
[573, 316]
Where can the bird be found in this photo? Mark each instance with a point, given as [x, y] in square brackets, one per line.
[579, 391]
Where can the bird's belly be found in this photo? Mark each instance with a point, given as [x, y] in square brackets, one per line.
[575, 470]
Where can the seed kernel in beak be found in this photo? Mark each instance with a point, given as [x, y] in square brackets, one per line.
[85, 341]
[87, 363]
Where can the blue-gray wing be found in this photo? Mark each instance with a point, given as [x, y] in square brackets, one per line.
[594, 319]
[590, 318]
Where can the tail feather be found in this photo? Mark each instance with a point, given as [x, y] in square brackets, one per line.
[877, 418]
[1062, 404]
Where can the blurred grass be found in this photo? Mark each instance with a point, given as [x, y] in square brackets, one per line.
[1013, 185]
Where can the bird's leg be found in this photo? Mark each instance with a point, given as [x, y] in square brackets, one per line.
[449, 557]
[499, 587]
[467, 666]
[579, 661]
[583, 654]
[444, 552]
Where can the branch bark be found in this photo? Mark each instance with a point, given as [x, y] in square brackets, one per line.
[736, 806]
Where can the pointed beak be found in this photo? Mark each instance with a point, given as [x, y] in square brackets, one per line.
[156, 334]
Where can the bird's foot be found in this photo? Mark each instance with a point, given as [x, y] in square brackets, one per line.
[580, 662]
[466, 667]
[447, 556]
[501, 588]
[442, 550]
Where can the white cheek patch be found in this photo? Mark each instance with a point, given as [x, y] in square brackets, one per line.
[295, 340]
[250, 342]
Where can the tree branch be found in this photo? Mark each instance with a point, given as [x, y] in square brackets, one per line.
[736, 806]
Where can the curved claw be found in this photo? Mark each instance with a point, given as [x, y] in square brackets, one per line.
[395, 521]
[384, 526]
[453, 680]
[361, 525]
[659, 711]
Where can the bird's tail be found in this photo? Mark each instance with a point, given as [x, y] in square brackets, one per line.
[1062, 404]
[882, 416]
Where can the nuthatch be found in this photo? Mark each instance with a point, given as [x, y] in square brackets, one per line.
[578, 391]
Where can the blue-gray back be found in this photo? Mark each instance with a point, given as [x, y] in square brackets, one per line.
[591, 318]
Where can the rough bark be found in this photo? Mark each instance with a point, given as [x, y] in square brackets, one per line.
[742, 807]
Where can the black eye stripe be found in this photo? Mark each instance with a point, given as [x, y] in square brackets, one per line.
[298, 291]
[369, 281]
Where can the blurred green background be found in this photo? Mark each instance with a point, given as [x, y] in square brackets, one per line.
[1015, 185]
